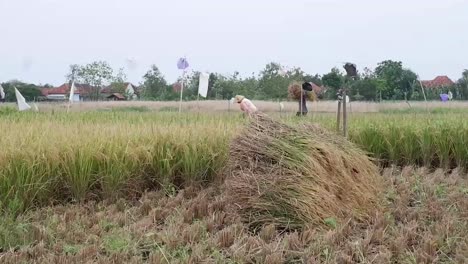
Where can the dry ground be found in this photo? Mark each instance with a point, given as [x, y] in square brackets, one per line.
[425, 221]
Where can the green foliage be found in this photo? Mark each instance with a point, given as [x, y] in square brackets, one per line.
[227, 87]
[334, 81]
[395, 82]
[155, 86]
[331, 222]
[389, 81]
[462, 86]
[364, 90]
[273, 85]
[118, 83]
[30, 92]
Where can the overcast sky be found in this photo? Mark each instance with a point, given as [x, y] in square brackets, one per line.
[39, 39]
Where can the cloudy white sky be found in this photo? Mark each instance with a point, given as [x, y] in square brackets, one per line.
[39, 39]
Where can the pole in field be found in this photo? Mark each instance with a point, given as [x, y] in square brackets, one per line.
[338, 115]
[351, 74]
[182, 64]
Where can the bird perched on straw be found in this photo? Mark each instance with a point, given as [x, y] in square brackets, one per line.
[245, 104]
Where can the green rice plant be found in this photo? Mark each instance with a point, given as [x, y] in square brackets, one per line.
[427, 146]
[24, 182]
[410, 149]
[161, 164]
[459, 145]
[393, 140]
[78, 169]
[444, 147]
[117, 170]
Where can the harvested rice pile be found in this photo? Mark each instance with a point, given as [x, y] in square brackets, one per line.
[295, 89]
[298, 177]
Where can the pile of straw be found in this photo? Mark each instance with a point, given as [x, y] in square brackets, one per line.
[297, 177]
[295, 89]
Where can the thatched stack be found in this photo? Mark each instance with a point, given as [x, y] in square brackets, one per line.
[295, 89]
[295, 177]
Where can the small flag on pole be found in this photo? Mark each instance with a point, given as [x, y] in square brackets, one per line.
[22, 105]
[203, 84]
[2, 93]
[72, 92]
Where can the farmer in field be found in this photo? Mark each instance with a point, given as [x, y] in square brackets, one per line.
[306, 87]
[245, 104]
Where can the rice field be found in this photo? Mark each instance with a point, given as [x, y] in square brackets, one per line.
[63, 173]
[58, 156]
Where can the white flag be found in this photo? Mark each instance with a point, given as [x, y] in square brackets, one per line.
[22, 105]
[72, 92]
[2, 92]
[203, 84]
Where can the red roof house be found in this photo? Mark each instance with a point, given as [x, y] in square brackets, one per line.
[438, 82]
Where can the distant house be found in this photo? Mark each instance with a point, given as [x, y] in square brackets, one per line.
[131, 91]
[63, 92]
[438, 82]
[116, 97]
[84, 91]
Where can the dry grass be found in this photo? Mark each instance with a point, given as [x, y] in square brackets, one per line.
[294, 177]
[265, 106]
[424, 220]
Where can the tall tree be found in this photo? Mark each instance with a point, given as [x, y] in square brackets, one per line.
[272, 84]
[333, 81]
[155, 86]
[72, 75]
[95, 74]
[118, 83]
[462, 85]
[395, 81]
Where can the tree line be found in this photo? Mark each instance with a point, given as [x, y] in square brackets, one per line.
[390, 80]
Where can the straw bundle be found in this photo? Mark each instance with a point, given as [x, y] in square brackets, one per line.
[295, 89]
[296, 177]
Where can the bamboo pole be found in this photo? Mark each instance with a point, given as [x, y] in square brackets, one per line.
[345, 115]
[181, 91]
[338, 117]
